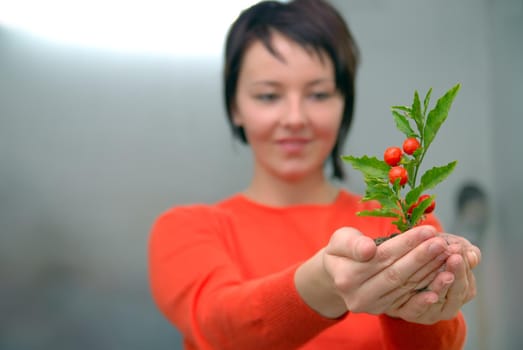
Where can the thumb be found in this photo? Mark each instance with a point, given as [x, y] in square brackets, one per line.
[350, 243]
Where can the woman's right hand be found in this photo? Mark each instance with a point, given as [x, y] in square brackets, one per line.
[352, 274]
[373, 279]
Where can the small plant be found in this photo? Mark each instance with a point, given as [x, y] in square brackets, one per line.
[393, 181]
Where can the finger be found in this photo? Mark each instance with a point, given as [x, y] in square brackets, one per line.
[459, 290]
[417, 308]
[392, 249]
[389, 286]
[471, 252]
[428, 273]
[401, 300]
[350, 243]
[472, 287]
[407, 272]
[471, 279]
[441, 284]
[419, 281]
[473, 256]
[428, 307]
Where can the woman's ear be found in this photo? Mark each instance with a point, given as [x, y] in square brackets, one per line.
[236, 119]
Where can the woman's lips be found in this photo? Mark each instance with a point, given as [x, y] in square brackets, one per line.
[292, 145]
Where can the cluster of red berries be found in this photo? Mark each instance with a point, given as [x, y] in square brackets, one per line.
[392, 157]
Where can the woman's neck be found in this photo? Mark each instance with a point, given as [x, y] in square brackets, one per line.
[275, 191]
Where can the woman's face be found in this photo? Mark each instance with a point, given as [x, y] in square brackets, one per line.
[289, 108]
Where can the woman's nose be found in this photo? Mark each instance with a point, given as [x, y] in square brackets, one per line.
[294, 115]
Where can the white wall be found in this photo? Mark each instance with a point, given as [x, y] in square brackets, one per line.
[506, 52]
[94, 145]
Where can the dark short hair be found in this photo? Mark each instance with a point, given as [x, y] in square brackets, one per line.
[313, 24]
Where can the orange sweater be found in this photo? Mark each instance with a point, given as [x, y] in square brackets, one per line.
[223, 275]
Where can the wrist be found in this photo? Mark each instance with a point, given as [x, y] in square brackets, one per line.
[315, 287]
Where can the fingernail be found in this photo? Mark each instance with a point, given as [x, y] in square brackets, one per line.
[448, 280]
[427, 233]
[442, 257]
[432, 298]
[435, 248]
[472, 257]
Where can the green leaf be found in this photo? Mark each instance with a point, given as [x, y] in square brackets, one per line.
[403, 124]
[380, 192]
[406, 109]
[376, 182]
[401, 224]
[438, 115]
[413, 195]
[416, 112]
[369, 166]
[418, 212]
[426, 101]
[380, 213]
[434, 176]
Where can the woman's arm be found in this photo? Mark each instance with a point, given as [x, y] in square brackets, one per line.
[200, 289]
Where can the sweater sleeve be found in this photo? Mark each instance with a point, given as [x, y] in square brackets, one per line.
[197, 286]
[402, 335]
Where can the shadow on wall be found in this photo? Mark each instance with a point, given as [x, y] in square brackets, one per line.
[51, 299]
[472, 221]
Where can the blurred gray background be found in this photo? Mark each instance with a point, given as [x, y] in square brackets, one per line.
[95, 144]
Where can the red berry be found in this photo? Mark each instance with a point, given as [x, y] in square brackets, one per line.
[429, 209]
[432, 205]
[392, 156]
[411, 208]
[410, 145]
[400, 173]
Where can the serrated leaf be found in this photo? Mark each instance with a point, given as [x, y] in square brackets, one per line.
[406, 109]
[379, 213]
[426, 101]
[419, 210]
[413, 195]
[383, 200]
[369, 166]
[379, 190]
[434, 176]
[376, 182]
[403, 125]
[438, 115]
[382, 194]
[416, 112]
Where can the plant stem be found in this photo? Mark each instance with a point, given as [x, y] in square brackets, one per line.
[424, 150]
[416, 168]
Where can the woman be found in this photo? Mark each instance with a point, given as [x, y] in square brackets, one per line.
[286, 263]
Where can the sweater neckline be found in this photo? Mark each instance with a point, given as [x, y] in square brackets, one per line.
[240, 197]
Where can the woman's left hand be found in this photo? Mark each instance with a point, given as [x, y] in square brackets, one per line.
[452, 287]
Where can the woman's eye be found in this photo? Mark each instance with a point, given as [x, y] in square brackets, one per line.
[267, 97]
[320, 95]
